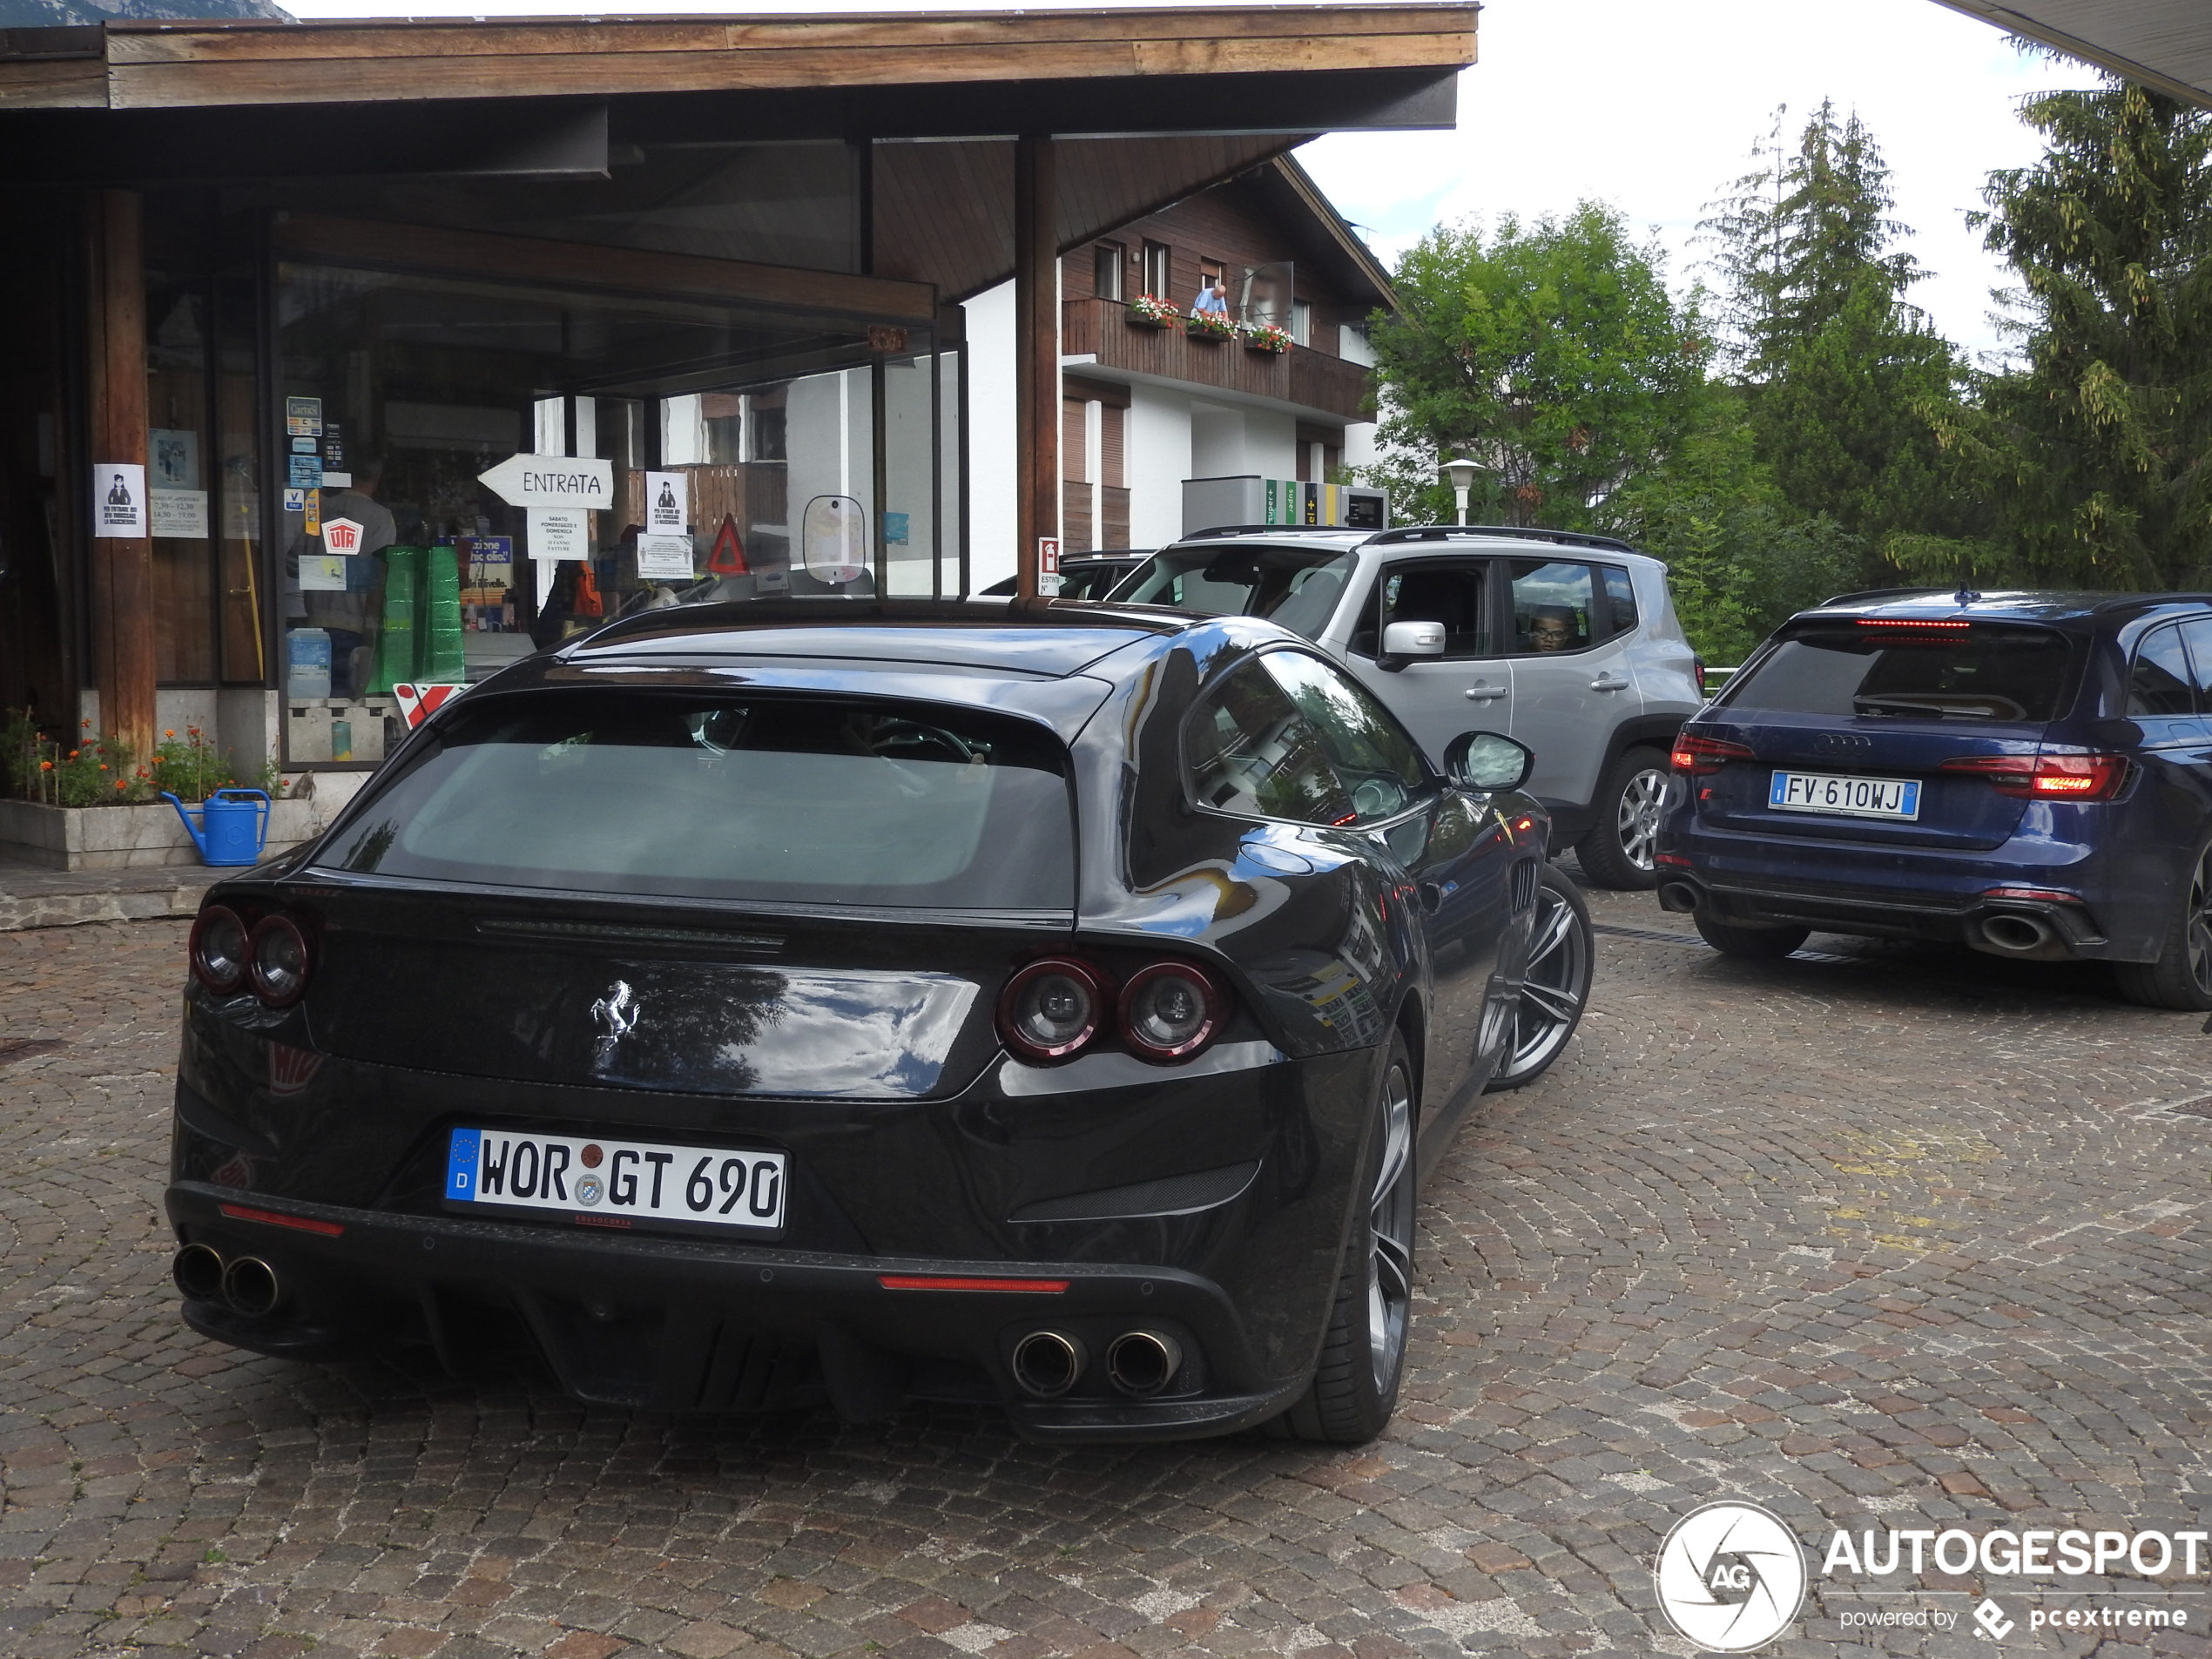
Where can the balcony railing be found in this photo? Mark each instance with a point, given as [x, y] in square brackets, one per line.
[1312, 379]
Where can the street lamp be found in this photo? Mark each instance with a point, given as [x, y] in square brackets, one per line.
[1461, 472]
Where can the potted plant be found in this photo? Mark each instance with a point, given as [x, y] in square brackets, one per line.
[1150, 311]
[1269, 337]
[1208, 325]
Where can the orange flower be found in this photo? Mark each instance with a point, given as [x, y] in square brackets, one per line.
[103, 765]
[120, 784]
[45, 765]
[87, 724]
[72, 754]
[168, 731]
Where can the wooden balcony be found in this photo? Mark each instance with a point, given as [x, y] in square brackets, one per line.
[1310, 380]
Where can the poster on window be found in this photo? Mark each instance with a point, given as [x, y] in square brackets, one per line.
[176, 459]
[118, 499]
[664, 558]
[181, 514]
[668, 510]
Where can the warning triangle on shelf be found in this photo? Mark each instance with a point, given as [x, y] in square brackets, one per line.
[728, 557]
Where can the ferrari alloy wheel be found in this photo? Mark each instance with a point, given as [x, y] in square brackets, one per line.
[1363, 1356]
[1554, 985]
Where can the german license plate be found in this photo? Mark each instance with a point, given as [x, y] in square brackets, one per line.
[1820, 791]
[607, 1183]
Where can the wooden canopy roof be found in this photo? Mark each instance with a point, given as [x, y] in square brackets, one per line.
[2166, 45]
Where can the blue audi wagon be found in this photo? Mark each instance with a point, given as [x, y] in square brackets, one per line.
[2028, 774]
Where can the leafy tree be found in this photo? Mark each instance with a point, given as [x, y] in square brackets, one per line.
[2098, 455]
[1550, 352]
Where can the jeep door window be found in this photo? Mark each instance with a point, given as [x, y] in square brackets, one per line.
[2160, 685]
[1619, 597]
[1430, 590]
[1553, 607]
[1246, 581]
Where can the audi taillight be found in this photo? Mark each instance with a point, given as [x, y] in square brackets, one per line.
[2047, 777]
[280, 961]
[1698, 755]
[218, 949]
[1052, 1010]
[1170, 1011]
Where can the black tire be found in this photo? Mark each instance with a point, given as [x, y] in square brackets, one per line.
[1363, 1356]
[1555, 982]
[1621, 850]
[1754, 944]
[2182, 977]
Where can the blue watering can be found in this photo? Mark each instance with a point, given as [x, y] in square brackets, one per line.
[233, 827]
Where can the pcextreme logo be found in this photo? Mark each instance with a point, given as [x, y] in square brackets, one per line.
[1730, 1577]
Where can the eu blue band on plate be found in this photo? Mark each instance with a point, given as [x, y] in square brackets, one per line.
[460, 1165]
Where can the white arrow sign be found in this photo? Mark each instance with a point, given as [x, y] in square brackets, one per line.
[551, 481]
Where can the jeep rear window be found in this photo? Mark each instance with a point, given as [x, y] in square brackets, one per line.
[1298, 587]
[790, 798]
[1846, 670]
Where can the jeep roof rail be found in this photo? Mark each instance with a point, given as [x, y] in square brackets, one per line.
[1872, 594]
[1446, 532]
[1270, 530]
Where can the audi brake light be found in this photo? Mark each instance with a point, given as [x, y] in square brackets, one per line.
[1698, 755]
[1913, 624]
[2047, 777]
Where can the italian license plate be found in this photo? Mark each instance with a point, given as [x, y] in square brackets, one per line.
[1820, 791]
[618, 1183]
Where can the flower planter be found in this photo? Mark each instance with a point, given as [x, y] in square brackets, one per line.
[130, 838]
[1137, 320]
[1214, 336]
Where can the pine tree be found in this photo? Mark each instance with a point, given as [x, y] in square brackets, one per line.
[2099, 454]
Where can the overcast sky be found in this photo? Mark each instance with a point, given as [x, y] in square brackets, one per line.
[1652, 107]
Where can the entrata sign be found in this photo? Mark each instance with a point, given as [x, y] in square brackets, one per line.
[551, 481]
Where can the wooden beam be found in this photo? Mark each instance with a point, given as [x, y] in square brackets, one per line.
[175, 64]
[121, 566]
[382, 247]
[1036, 355]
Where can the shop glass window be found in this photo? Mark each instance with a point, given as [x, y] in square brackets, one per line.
[1551, 605]
[788, 454]
[178, 459]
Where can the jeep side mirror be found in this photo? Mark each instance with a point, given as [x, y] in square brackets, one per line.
[1414, 639]
[1487, 760]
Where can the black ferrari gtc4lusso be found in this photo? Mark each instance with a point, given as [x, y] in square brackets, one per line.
[1049, 1004]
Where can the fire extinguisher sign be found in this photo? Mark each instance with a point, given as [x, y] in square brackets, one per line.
[1047, 566]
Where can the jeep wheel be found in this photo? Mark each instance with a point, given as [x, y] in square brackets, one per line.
[1621, 850]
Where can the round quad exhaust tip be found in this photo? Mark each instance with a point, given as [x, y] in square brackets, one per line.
[250, 1286]
[1049, 1363]
[1142, 1363]
[197, 1271]
[1678, 896]
[2016, 932]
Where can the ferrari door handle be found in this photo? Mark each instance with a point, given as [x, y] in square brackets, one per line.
[1480, 693]
[1608, 683]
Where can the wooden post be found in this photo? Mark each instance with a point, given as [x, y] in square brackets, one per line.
[1036, 355]
[121, 568]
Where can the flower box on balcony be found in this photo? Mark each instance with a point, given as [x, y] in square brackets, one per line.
[1149, 311]
[1267, 337]
[1208, 325]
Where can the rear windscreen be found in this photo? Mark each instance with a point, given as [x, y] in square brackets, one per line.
[1982, 672]
[794, 798]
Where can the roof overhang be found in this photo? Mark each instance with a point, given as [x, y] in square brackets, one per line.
[2166, 45]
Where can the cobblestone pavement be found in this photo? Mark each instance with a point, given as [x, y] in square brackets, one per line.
[1877, 1238]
